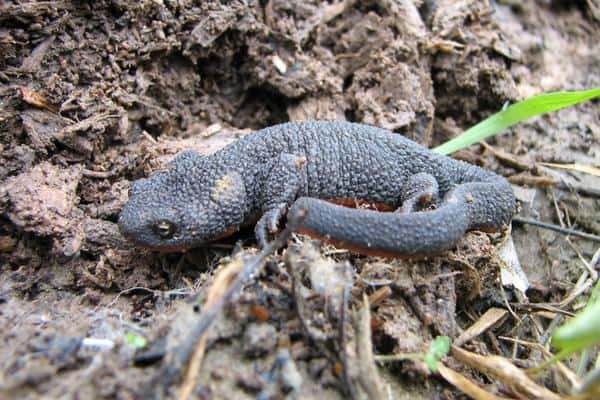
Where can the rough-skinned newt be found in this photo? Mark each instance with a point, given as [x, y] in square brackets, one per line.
[316, 166]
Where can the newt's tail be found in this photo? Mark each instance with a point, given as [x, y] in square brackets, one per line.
[487, 206]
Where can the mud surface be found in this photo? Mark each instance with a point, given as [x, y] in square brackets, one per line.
[93, 97]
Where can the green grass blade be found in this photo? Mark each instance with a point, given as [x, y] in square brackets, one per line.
[514, 114]
[579, 332]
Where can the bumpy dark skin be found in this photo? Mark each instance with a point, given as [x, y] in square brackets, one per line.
[291, 166]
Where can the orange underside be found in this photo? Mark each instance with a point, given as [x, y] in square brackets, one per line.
[358, 203]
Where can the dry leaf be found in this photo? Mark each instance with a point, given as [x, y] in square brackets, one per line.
[36, 99]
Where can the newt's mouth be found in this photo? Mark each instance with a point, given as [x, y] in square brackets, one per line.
[175, 248]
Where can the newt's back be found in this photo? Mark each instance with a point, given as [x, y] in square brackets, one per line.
[350, 160]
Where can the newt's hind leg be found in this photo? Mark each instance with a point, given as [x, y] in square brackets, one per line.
[419, 193]
[286, 180]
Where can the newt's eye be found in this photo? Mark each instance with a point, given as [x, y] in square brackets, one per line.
[164, 229]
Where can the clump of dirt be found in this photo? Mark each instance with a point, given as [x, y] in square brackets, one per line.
[94, 96]
[42, 202]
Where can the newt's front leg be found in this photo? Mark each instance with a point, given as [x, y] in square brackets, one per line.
[419, 192]
[285, 182]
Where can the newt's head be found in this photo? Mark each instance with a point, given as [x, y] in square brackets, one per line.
[191, 203]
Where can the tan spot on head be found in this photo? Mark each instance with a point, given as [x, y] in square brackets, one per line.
[222, 187]
[300, 162]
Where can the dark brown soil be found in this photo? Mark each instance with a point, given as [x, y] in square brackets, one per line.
[93, 97]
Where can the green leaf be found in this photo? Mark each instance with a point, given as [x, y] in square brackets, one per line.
[580, 332]
[514, 114]
[137, 341]
[439, 348]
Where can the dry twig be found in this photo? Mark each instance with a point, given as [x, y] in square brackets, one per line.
[368, 376]
[556, 228]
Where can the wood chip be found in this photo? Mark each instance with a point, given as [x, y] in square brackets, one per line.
[380, 294]
[490, 318]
